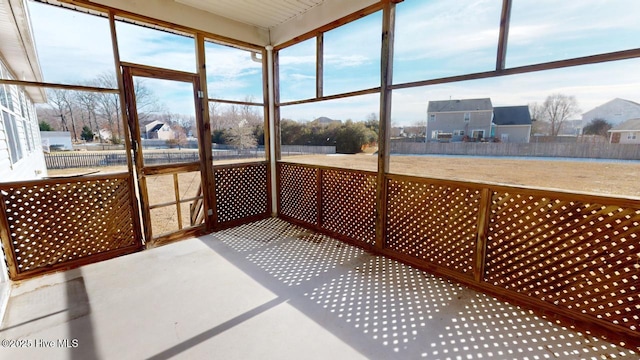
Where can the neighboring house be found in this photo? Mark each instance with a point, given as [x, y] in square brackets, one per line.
[156, 130]
[626, 133]
[21, 155]
[615, 112]
[453, 120]
[512, 124]
[56, 140]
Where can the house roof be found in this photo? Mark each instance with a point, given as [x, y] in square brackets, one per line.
[616, 100]
[629, 125]
[460, 105]
[157, 127]
[511, 115]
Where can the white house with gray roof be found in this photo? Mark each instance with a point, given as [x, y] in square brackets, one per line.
[477, 120]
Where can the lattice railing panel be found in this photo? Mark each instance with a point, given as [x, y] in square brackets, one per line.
[241, 191]
[434, 222]
[299, 192]
[55, 222]
[580, 255]
[349, 204]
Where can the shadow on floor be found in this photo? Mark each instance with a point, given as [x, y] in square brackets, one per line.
[384, 309]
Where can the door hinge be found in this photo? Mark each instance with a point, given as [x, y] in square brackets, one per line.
[200, 94]
[210, 212]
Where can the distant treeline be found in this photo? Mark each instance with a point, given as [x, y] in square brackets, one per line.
[348, 137]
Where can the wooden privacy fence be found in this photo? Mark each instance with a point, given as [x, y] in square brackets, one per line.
[573, 257]
[56, 224]
[570, 150]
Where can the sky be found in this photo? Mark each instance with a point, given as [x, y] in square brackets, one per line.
[433, 39]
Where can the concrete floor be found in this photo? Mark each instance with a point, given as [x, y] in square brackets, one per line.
[271, 290]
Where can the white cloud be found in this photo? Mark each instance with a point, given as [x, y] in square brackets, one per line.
[592, 85]
[432, 37]
[73, 47]
[436, 30]
[345, 61]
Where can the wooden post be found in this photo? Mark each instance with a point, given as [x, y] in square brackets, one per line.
[7, 244]
[319, 196]
[319, 65]
[483, 227]
[131, 130]
[204, 133]
[274, 103]
[270, 137]
[504, 35]
[276, 108]
[386, 80]
[176, 190]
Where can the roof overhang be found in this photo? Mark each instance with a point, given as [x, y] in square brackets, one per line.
[17, 46]
[257, 22]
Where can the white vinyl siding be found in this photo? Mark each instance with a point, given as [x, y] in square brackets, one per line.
[5, 159]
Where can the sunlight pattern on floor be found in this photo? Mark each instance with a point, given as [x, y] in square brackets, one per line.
[399, 311]
[303, 257]
[250, 237]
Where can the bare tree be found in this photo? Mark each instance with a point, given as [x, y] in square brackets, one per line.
[49, 114]
[241, 135]
[89, 102]
[146, 101]
[57, 101]
[214, 115]
[109, 104]
[556, 109]
[535, 110]
[68, 99]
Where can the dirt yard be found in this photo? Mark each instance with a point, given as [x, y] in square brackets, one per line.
[611, 178]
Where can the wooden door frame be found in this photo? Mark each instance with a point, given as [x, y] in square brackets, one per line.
[130, 70]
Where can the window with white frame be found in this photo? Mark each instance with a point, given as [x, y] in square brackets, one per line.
[434, 134]
[3, 96]
[432, 117]
[631, 136]
[467, 117]
[11, 129]
[458, 132]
